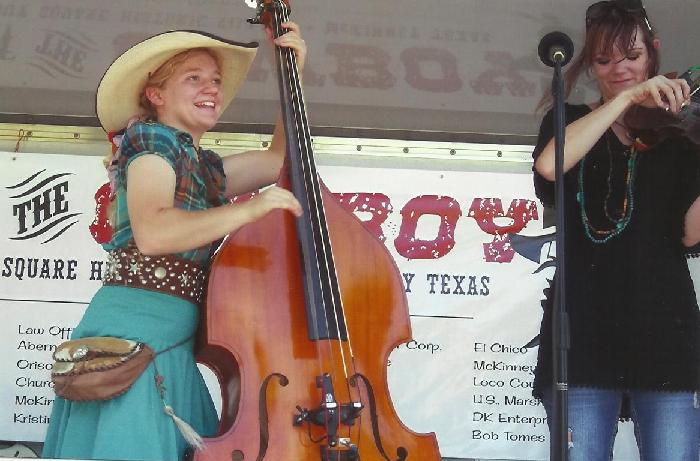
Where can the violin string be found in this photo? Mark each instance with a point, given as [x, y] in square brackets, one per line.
[332, 292]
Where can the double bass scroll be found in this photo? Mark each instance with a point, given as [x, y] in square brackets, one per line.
[302, 314]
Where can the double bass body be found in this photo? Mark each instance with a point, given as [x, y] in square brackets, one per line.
[259, 347]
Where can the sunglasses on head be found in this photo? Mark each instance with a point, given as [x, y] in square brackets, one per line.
[602, 9]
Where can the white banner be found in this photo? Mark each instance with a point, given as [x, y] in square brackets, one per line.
[50, 267]
[474, 301]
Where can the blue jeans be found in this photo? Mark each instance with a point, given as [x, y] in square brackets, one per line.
[666, 424]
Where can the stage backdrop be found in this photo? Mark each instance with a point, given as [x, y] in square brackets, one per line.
[454, 66]
[474, 296]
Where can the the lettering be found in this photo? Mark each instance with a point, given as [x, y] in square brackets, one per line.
[31, 346]
[61, 332]
[519, 419]
[21, 418]
[450, 284]
[73, 13]
[35, 268]
[371, 209]
[505, 73]
[520, 383]
[163, 18]
[96, 270]
[507, 349]
[486, 211]
[514, 437]
[13, 10]
[48, 204]
[481, 435]
[60, 49]
[481, 399]
[429, 347]
[514, 400]
[485, 417]
[361, 66]
[494, 365]
[23, 364]
[30, 330]
[37, 400]
[24, 381]
[408, 278]
[409, 245]
[485, 382]
[439, 63]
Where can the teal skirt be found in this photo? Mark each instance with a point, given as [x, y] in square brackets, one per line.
[134, 426]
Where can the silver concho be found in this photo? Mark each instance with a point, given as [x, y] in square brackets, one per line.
[80, 352]
[160, 273]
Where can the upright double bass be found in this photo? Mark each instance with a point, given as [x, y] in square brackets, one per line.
[302, 314]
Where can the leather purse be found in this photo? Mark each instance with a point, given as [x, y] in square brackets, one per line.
[98, 368]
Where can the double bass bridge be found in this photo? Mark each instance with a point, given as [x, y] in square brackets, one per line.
[330, 415]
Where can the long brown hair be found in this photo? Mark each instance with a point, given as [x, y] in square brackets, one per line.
[618, 27]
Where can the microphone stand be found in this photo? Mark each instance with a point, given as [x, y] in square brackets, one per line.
[559, 443]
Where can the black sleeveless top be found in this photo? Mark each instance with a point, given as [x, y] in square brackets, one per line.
[634, 318]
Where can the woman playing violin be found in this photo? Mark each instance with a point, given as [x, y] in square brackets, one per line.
[170, 199]
[631, 214]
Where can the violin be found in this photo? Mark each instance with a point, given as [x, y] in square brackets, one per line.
[653, 125]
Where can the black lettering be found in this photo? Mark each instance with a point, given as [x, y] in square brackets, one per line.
[432, 278]
[444, 281]
[72, 264]
[485, 280]
[96, 270]
[408, 278]
[458, 280]
[472, 286]
[20, 211]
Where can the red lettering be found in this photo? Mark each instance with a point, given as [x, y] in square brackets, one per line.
[447, 208]
[485, 211]
[361, 66]
[504, 68]
[259, 73]
[418, 61]
[378, 206]
[100, 228]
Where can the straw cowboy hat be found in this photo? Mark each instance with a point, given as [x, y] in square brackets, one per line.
[119, 90]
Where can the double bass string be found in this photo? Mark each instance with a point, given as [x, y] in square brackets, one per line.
[330, 284]
[316, 200]
[287, 59]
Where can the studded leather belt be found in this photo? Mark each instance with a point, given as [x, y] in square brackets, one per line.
[165, 274]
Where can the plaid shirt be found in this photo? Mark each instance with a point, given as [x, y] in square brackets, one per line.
[176, 148]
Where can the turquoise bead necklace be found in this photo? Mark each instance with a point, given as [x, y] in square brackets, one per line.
[618, 223]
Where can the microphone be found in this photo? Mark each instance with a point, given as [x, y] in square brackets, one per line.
[555, 47]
